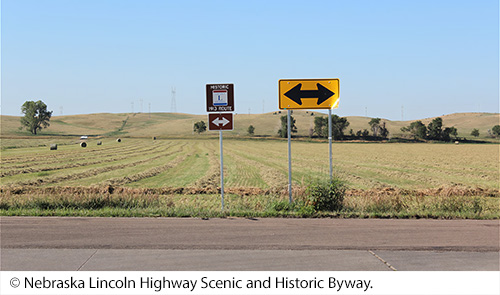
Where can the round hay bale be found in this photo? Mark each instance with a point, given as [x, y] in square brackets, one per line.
[99, 143]
[457, 142]
[53, 147]
[119, 140]
[83, 144]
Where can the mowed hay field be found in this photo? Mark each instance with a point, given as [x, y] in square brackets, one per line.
[180, 177]
[249, 165]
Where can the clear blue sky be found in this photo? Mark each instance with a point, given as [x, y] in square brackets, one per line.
[430, 57]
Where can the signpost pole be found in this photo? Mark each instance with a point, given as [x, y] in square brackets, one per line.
[221, 172]
[330, 141]
[308, 94]
[220, 98]
[289, 157]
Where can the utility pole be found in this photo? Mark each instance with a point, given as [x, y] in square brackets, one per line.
[173, 105]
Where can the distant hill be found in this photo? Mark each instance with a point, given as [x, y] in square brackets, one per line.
[181, 125]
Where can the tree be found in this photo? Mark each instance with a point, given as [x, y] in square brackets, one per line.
[36, 116]
[338, 126]
[454, 132]
[375, 126]
[475, 132]
[417, 129]
[445, 136]
[321, 126]
[435, 129]
[199, 127]
[251, 130]
[496, 130]
[283, 132]
[383, 131]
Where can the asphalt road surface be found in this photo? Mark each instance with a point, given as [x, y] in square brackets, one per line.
[169, 244]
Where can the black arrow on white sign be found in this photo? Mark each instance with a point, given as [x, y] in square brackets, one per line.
[322, 94]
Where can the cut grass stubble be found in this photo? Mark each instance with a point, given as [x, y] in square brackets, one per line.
[140, 177]
[138, 203]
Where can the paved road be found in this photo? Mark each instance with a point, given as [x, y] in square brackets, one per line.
[54, 243]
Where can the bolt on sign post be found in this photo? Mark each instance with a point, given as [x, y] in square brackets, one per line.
[220, 98]
[296, 94]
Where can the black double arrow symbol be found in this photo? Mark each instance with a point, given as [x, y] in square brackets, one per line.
[322, 94]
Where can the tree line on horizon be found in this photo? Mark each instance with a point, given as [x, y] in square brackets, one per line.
[36, 117]
[433, 131]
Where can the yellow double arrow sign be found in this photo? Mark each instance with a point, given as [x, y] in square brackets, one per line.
[309, 94]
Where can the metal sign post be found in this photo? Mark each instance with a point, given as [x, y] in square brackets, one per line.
[221, 172]
[289, 157]
[221, 122]
[330, 142]
[220, 98]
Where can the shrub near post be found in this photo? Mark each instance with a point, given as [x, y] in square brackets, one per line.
[326, 195]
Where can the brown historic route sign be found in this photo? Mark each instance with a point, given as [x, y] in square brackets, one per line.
[220, 98]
